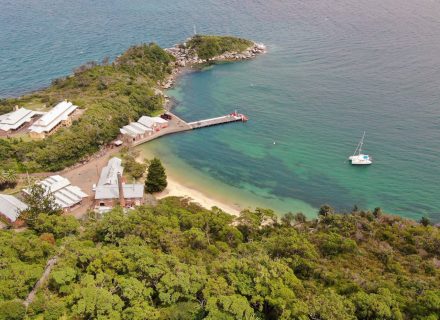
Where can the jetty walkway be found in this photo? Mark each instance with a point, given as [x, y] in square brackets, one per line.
[176, 124]
[232, 117]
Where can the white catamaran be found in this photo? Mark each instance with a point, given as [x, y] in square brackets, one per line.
[358, 157]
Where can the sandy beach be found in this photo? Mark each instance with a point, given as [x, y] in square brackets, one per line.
[177, 189]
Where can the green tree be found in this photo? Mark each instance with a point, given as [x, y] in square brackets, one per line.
[134, 168]
[39, 201]
[424, 221]
[333, 244]
[12, 310]
[96, 303]
[59, 226]
[377, 306]
[156, 178]
[325, 210]
[329, 306]
[61, 279]
[377, 213]
[229, 308]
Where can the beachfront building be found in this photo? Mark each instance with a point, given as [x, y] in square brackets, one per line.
[66, 196]
[160, 123]
[57, 117]
[147, 122]
[16, 119]
[111, 189]
[135, 131]
[10, 207]
[143, 128]
[155, 123]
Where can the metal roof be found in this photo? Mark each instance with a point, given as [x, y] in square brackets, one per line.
[159, 120]
[52, 118]
[15, 119]
[10, 206]
[141, 127]
[146, 121]
[134, 129]
[109, 174]
[131, 191]
[64, 193]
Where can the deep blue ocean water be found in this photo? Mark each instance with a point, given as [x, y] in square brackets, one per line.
[334, 69]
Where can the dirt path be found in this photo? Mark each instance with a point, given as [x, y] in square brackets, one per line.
[42, 279]
[83, 175]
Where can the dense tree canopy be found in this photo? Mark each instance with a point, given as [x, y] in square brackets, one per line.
[179, 261]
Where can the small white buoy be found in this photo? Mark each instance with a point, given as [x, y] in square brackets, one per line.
[274, 142]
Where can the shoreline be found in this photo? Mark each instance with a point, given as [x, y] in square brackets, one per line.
[177, 189]
[187, 62]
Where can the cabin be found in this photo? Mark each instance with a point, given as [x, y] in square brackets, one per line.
[15, 120]
[147, 122]
[160, 123]
[135, 131]
[67, 196]
[144, 127]
[10, 208]
[59, 116]
[111, 190]
[155, 123]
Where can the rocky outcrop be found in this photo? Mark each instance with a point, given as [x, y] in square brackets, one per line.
[187, 58]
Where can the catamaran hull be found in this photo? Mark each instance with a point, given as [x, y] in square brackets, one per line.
[363, 160]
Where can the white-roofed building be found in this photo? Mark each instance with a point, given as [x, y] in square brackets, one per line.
[143, 128]
[10, 207]
[66, 195]
[111, 190]
[135, 131]
[160, 123]
[147, 122]
[109, 174]
[58, 116]
[16, 119]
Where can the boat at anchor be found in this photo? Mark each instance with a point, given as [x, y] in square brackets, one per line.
[358, 158]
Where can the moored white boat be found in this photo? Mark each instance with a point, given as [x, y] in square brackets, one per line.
[358, 158]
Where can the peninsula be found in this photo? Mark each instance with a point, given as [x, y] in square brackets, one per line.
[109, 96]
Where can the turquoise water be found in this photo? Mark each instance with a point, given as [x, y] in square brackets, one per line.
[333, 70]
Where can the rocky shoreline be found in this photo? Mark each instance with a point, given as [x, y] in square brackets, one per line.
[187, 59]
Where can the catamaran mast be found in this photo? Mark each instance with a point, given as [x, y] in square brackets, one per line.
[358, 149]
[361, 143]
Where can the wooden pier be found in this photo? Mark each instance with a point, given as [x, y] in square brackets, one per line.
[176, 124]
[232, 117]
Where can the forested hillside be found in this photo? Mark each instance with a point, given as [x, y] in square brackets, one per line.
[112, 94]
[179, 261]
